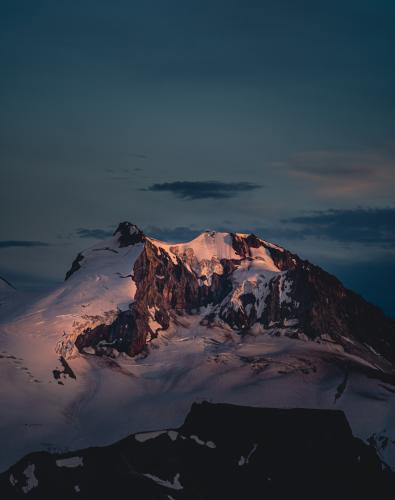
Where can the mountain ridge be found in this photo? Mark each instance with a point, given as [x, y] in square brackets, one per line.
[272, 452]
[249, 284]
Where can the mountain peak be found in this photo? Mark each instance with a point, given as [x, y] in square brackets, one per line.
[129, 234]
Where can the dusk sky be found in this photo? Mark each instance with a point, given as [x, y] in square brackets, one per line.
[272, 117]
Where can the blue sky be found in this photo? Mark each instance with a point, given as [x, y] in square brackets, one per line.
[267, 116]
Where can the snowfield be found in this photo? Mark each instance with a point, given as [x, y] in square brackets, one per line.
[110, 399]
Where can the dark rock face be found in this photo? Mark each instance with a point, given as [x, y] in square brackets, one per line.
[164, 284]
[327, 307]
[128, 234]
[164, 288]
[121, 335]
[221, 451]
[319, 305]
[242, 246]
[75, 266]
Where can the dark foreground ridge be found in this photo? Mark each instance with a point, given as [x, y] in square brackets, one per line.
[220, 452]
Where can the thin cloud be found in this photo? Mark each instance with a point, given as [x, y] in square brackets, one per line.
[331, 164]
[375, 226]
[123, 173]
[22, 243]
[198, 190]
[344, 173]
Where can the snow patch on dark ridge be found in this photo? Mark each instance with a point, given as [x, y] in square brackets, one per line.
[221, 451]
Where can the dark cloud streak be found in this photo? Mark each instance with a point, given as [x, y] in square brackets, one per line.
[22, 243]
[198, 190]
[374, 226]
[336, 163]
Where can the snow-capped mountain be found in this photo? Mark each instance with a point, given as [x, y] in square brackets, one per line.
[140, 329]
[129, 288]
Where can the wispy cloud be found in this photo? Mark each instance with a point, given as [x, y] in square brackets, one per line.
[345, 172]
[22, 243]
[331, 164]
[197, 190]
[374, 226]
[124, 173]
